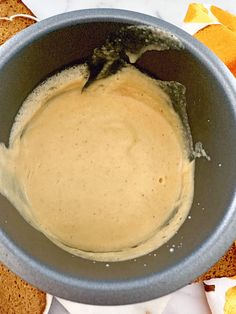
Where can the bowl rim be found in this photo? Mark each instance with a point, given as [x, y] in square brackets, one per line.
[155, 285]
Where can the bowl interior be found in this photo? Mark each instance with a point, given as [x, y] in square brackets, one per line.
[211, 119]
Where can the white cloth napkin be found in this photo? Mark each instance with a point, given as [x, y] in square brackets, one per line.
[188, 300]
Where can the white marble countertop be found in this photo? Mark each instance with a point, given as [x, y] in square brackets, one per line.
[170, 10]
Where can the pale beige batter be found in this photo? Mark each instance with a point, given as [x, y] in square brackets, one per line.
[104, 173]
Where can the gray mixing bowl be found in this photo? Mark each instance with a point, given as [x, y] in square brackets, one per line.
[65, 39]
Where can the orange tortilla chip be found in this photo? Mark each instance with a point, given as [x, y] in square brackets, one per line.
[224, 17]
[230, 301]
[197, 13]
[222, 42]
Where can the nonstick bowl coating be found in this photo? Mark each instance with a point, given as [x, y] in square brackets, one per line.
[66, 39]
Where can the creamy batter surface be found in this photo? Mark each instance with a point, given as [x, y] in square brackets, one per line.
[103, 173]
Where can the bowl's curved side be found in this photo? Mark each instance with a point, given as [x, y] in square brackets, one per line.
[149, 285]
